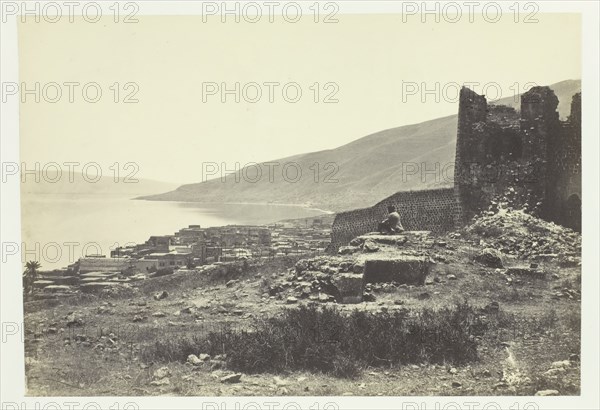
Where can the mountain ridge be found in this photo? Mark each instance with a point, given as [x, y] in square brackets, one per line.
[76, 183]
[357, 174]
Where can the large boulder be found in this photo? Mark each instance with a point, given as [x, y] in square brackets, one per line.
[349, 287]
[489, 257]
[411, 270]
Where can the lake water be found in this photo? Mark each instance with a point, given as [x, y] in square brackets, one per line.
[98, 223]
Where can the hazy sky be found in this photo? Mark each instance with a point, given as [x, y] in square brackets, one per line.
[171, 131]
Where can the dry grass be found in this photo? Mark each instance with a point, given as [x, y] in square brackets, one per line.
[539, 328]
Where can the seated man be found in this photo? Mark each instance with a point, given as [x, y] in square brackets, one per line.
[392, 224]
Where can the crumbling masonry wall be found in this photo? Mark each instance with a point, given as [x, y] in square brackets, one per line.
[563, 192]
[436, 210]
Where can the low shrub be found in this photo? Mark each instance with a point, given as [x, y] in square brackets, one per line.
[324, 339]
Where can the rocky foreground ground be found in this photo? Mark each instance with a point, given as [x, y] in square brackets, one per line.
[90, 345]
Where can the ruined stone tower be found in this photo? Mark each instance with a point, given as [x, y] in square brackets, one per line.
[532, 152]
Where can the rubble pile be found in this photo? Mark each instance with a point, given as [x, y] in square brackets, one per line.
[345, 279]
[517, 233]
[317, 279]
[349, 276]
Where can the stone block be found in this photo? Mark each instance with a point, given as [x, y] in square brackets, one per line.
[375, 237]
[410, 270]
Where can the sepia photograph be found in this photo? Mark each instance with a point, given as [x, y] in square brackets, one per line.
[335, 204]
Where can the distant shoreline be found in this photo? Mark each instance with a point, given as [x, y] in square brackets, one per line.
[305, 206]
[312, 208]
[103, 220]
